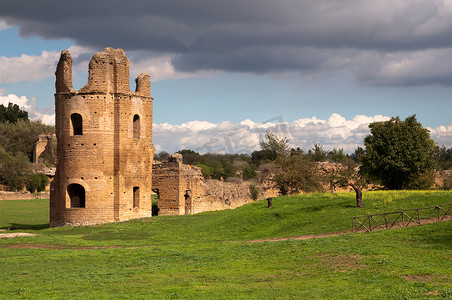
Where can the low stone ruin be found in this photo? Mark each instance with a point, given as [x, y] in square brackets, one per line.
[182, 190]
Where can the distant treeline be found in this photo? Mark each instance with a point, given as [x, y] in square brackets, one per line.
[223, 166]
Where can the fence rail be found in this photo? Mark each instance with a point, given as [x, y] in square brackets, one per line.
[402, 218]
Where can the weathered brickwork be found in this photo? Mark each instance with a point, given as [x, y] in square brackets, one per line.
[41, 145]
[104, 149]
[24, 195]
[177, 185]
[182, 190]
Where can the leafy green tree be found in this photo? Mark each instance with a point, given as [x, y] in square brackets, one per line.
[262, 156]
[348, 175]
[14, 172]
[190, 157]
[357, 154]
[297, 174]
[399, 154]
[336, 154]
[443, 157]
[206, 171]
[4, 155]
[249, 172]
[274, 146]
[12, 113]
[36, 182]
[21, 136]
[318, 153]
[162, 155]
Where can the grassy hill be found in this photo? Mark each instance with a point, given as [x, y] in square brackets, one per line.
[209, 255]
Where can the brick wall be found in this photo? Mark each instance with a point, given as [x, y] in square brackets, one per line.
[183, 190]
[104, 148]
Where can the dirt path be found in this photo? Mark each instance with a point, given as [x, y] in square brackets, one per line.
[324, 235]
[66, 247]
[301, 237]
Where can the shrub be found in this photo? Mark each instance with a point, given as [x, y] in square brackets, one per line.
[206, 171]
[254, 192]
[14, 172]
[249, 172]
[36, 182]
[297, 174]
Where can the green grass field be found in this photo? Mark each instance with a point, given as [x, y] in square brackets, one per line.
[210, 255]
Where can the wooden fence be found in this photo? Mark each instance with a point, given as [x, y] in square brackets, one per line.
[402, 218]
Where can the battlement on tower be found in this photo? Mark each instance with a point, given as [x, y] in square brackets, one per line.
[108, 73]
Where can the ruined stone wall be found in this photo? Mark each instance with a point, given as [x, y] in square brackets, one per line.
[177, 185]
[220, 195]
[41, 145]
[104, 148]
[183, 190]
[23, 195]
[166, 184]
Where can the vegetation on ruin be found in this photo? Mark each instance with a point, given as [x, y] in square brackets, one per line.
[209, 255]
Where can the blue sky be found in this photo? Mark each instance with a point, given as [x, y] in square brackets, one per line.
[219, 72]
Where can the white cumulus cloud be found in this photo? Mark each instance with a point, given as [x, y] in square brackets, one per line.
[243, 137]
[442, 135]
[28, 67]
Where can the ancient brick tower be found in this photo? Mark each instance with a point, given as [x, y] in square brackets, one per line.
[105, 150]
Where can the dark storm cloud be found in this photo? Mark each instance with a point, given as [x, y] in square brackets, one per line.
[256, 36]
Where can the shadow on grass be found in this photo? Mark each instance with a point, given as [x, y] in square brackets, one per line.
[350, 206]
[17, 226]
[438, 234]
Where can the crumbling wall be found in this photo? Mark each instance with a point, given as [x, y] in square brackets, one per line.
[182, 189]
[63, 74]
[166, 184]
[109, 72]
[44, 143]
[178, 186]
[24, 195]
[220, 195]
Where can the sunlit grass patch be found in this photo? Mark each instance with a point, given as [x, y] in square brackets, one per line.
[209, 256]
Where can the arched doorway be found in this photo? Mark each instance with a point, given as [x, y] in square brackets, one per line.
[76, 194]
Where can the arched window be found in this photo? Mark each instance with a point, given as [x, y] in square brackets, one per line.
[77, 124]
[136, 126]
[77, 195]
[136, 196]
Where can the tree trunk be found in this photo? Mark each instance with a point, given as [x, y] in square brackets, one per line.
[359, 195]
[359, 198]
[269, 201]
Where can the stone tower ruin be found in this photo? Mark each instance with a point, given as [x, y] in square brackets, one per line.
[105, 151]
